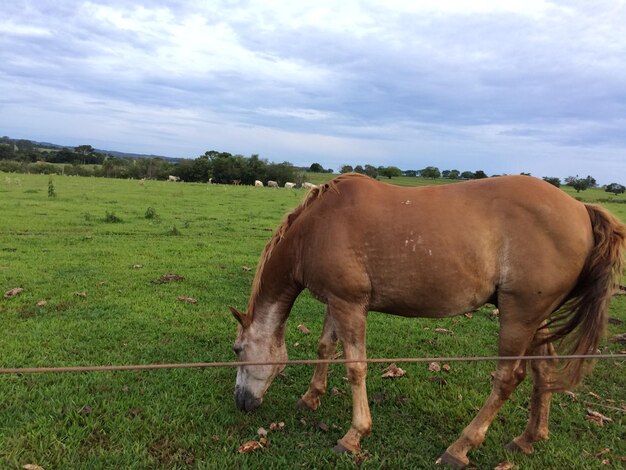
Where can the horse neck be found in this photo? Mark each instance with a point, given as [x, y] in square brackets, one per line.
[274, 289]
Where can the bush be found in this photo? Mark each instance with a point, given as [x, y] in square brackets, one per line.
[615, 188]
[111, 218]
[151, 213]
[43, 168]
[51, 190]
[9, 166]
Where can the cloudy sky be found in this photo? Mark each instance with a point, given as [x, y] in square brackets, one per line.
[502, 86]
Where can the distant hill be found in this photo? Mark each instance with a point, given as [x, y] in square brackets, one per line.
[113, 153]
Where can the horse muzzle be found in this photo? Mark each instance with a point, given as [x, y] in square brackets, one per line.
[245, 400]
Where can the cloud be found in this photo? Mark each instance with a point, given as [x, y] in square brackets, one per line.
[464, 83]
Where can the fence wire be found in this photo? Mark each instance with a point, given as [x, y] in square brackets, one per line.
[205, 365]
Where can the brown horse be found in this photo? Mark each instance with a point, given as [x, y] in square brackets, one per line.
[360, 245]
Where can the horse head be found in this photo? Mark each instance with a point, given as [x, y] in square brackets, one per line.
[255, 343]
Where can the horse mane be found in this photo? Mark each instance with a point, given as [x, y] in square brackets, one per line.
[313, 195]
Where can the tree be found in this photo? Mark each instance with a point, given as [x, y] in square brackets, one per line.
[226, 168]
[316, 168]
[371, 171]
[580, 184]
[591, 181]
[467, 175]
[64, 155]
[7, 152]
[390, 171]
[553, 180]
[411, 173]
[346, 169]
[201, 168]
[84, 150]
[430, 172]
[570, 180]
[254, 169]
[282, 173]
[454, 174]
[480, 174]
[150, 168]
[359, 169]
[615, 188]
[114, 167]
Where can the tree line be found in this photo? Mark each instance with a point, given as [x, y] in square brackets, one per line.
[84, 160]
[218, 167]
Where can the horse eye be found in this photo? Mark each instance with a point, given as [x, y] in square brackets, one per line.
[237, 348]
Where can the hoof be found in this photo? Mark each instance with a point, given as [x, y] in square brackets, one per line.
[515, 446]
[339, 449]
[343, 446]
[451, 460]
[303, 405]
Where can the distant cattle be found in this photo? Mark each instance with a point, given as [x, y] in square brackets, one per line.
[272, 184]
[258, 184]
[173, 178]
[308, 185]
[290, 185]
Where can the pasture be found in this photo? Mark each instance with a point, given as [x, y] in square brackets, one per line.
[96, 253]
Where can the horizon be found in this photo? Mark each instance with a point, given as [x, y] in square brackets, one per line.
[336, 171]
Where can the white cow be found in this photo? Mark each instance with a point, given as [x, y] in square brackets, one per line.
[290, 185]
[173, 178]
[258, 184]
[272, 184]
[308, 185]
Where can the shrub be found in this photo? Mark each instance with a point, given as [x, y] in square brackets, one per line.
[111, 218]
[151, 213]
[51, 190]
[615, 188]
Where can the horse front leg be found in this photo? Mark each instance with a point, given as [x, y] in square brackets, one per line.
[350, 325]
[327, 346]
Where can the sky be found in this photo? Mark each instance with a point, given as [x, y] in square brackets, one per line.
[501, 86]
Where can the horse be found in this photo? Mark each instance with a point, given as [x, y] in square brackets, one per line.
[548, 262]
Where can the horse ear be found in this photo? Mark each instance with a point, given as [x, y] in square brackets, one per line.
[240, 317]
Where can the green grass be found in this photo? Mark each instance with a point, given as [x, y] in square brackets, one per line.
[56, 248]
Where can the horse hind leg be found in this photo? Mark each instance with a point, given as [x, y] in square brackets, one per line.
[515, 338]
[327, 346]
[537, 427]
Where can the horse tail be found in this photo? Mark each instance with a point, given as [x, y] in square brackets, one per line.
[584, 314]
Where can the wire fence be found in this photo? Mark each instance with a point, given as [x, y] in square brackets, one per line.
[204, 365]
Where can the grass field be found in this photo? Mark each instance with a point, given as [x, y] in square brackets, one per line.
[93, 255]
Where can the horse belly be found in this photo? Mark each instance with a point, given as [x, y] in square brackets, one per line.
[436, 287]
